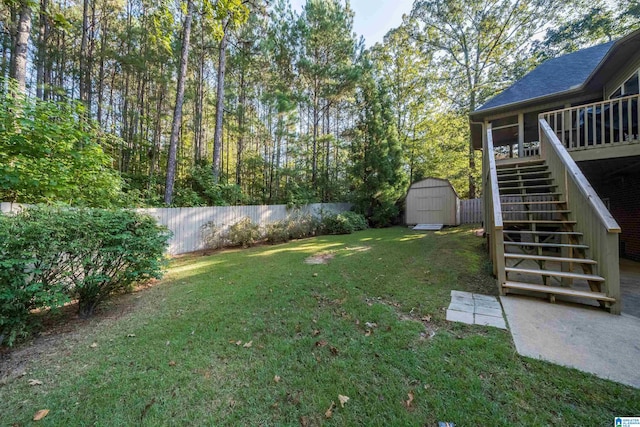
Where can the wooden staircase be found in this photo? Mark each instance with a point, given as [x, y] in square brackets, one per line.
[543, 252]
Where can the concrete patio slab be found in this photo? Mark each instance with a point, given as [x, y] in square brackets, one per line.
[587, 339]
[475, 309]
[484, 320]
[460, 316]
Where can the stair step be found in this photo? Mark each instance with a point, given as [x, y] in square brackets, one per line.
[532, 195]
[557, 290]
[555, 233]
[556, 202]
[535, 163]
[547, 245]
[565, 274]
[538, 221]
[525, 187]
[520, 181]
[537, 212]
[550, 258]
[525, 173]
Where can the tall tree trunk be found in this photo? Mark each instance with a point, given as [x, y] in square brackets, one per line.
[19, 71]
[241, 110]
[84, 42]
[177, 113]
[43, 33]
[222, 64]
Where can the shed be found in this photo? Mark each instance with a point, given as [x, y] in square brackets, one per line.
[432, 201]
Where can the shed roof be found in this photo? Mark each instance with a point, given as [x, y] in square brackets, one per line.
[424, 184]
[553, 76]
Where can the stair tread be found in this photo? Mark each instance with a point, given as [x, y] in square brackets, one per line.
[526, 187]
[549, 258]
[524, 165]
[525, 174]
[559, 233]
[537, 221]
[537, 212]
[547, 245]
[565, 274]
[558, 291]
[509, 181]
[544, 202]
[533, 195]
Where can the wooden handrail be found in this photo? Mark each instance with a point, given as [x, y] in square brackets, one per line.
[579, 179]
[592, 104]
[493, 179]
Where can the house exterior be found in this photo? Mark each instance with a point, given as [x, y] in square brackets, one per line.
[561, 174]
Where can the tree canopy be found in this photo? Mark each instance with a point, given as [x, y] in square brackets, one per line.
[253, 102]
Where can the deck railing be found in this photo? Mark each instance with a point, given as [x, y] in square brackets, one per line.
[600, 230]
[493, 211]
[599, 124]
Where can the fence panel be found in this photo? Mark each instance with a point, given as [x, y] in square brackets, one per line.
[187, 223]
[471, 211]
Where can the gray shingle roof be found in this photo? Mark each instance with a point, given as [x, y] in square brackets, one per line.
[552, 76]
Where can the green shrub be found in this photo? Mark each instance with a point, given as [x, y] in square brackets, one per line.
[343, 223]
[277, 232]
[49, 255]
[301, 226]
[244, 233]
[383, 214]
[29, 274]
[214, 237]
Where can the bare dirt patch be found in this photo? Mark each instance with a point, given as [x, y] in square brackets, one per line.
[321, 258]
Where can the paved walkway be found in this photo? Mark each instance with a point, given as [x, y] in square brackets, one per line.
[475, 309]
[590, 340]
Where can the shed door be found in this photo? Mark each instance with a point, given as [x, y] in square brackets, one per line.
[430, 208]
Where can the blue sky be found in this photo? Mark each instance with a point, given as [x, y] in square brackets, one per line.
[373, 18]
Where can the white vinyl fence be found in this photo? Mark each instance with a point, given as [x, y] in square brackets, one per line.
[471, 211]
[186, 224]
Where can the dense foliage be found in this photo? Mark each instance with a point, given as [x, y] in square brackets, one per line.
[49, 151]
[272, 105]
[51, 255]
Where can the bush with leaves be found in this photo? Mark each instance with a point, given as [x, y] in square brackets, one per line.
[49, 255]
[244, 233]
[31, 276]
[343, 223]
[50, 152]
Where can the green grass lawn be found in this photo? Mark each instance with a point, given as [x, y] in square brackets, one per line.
[369, 325]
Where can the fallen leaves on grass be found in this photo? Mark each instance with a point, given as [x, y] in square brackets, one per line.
[35, 382]
[248, 345]
[40, 414]
[334, 351]
[409, 402]
[343, 400]
[329, 412]
[321, 343]
[146, 408]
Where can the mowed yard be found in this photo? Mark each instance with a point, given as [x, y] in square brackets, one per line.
[259, 337]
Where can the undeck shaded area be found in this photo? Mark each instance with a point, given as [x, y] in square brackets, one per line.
[630, 287]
